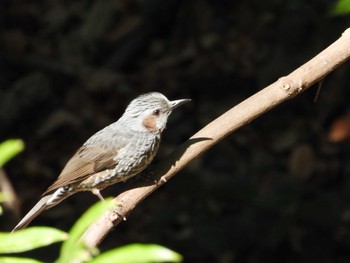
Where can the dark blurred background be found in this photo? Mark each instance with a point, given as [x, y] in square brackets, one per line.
[277, 190]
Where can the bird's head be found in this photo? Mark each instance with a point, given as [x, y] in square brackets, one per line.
[149, 112]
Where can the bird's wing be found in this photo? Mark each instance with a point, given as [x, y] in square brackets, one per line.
[86, 161]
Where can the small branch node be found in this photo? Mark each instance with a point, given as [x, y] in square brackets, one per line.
[290, 86]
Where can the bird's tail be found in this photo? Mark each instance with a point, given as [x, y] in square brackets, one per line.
[44, 203]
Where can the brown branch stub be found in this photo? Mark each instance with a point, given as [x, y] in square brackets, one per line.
[283, 89]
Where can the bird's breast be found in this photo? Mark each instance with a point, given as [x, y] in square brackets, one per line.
[137, 154]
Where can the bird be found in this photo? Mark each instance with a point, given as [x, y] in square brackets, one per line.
[114, 154]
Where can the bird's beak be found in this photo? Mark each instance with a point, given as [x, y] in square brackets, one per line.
[176, 103]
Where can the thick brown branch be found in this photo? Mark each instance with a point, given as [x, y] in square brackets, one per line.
[283, 89]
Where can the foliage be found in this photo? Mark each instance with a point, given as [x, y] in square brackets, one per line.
[30, 238]
[342, 7]
[10, 148]
[72, 250]
[139, 253]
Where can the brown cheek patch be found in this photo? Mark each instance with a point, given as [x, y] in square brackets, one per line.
[150, 123]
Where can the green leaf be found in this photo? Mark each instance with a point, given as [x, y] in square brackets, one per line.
[10, 148]
[139, 253]
[342, 7]
[30, 238]
[72, 248]
[91, 215]
[18, 260]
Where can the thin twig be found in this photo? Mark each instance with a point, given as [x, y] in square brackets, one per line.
[318, 90]
[11, 202]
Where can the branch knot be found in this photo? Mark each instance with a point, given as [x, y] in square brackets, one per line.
[290, 86]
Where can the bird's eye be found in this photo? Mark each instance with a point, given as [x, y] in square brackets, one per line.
[156, 112]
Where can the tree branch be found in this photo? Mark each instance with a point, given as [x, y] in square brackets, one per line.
[283, 89]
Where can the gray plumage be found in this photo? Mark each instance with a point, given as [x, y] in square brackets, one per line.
[114, 154]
